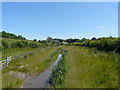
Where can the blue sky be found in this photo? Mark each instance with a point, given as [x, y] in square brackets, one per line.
[60, 20]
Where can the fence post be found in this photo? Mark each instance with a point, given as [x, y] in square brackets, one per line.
[7, 62]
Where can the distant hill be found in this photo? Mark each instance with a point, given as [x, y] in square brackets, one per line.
[4, 34]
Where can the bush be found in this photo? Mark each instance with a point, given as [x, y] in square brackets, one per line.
[118, 47]
[33, 44]
[1, 47]
[19, 44]
[10, 35]
[4, 44]
[58, 73]
[103, 44]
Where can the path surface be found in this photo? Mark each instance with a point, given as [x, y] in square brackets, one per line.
[42, 80]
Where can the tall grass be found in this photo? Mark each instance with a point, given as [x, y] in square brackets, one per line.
[9, 41]
[17, 52]
[14, 47]
[88, 68]
[58, 73]
[11, 81]
[32, 64]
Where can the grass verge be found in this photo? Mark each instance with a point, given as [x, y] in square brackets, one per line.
[33, 64]
[17, 52]
[88, 68]
[58, 73]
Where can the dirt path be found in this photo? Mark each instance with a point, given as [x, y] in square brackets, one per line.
[42, 80]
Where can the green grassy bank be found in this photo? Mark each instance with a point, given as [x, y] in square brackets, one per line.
[89, 68]
[32, 64]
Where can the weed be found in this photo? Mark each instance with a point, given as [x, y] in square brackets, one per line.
[58, 73]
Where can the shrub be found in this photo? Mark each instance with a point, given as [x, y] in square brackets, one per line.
[118, 47]
[58, 73]
[103, 44]
[4, 44]
[19, 44]
[33, 44]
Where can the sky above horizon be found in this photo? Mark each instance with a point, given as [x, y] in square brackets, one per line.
[60, 20]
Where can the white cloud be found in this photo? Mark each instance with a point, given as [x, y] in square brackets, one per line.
[101, 27]
[105, 22]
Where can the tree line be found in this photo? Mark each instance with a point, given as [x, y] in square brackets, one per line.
[4, 34]
[19, 44]
[103, 44]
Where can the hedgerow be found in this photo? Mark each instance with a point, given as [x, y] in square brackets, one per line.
[103, 44]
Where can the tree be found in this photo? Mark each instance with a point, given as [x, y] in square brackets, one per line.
[93, 38]
[20, 37]
[118, 47]
[39, 41]
[33, 44]
[76, 40]
[83, 40]
[35, 40]
[12, 36]
[49, 40]
[69, 40]
[43, 41]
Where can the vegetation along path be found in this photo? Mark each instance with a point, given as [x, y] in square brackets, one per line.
[42, 80]
[84, 63]
[21, 69]
[91, 68]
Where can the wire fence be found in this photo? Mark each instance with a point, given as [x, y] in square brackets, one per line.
[4, 63]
